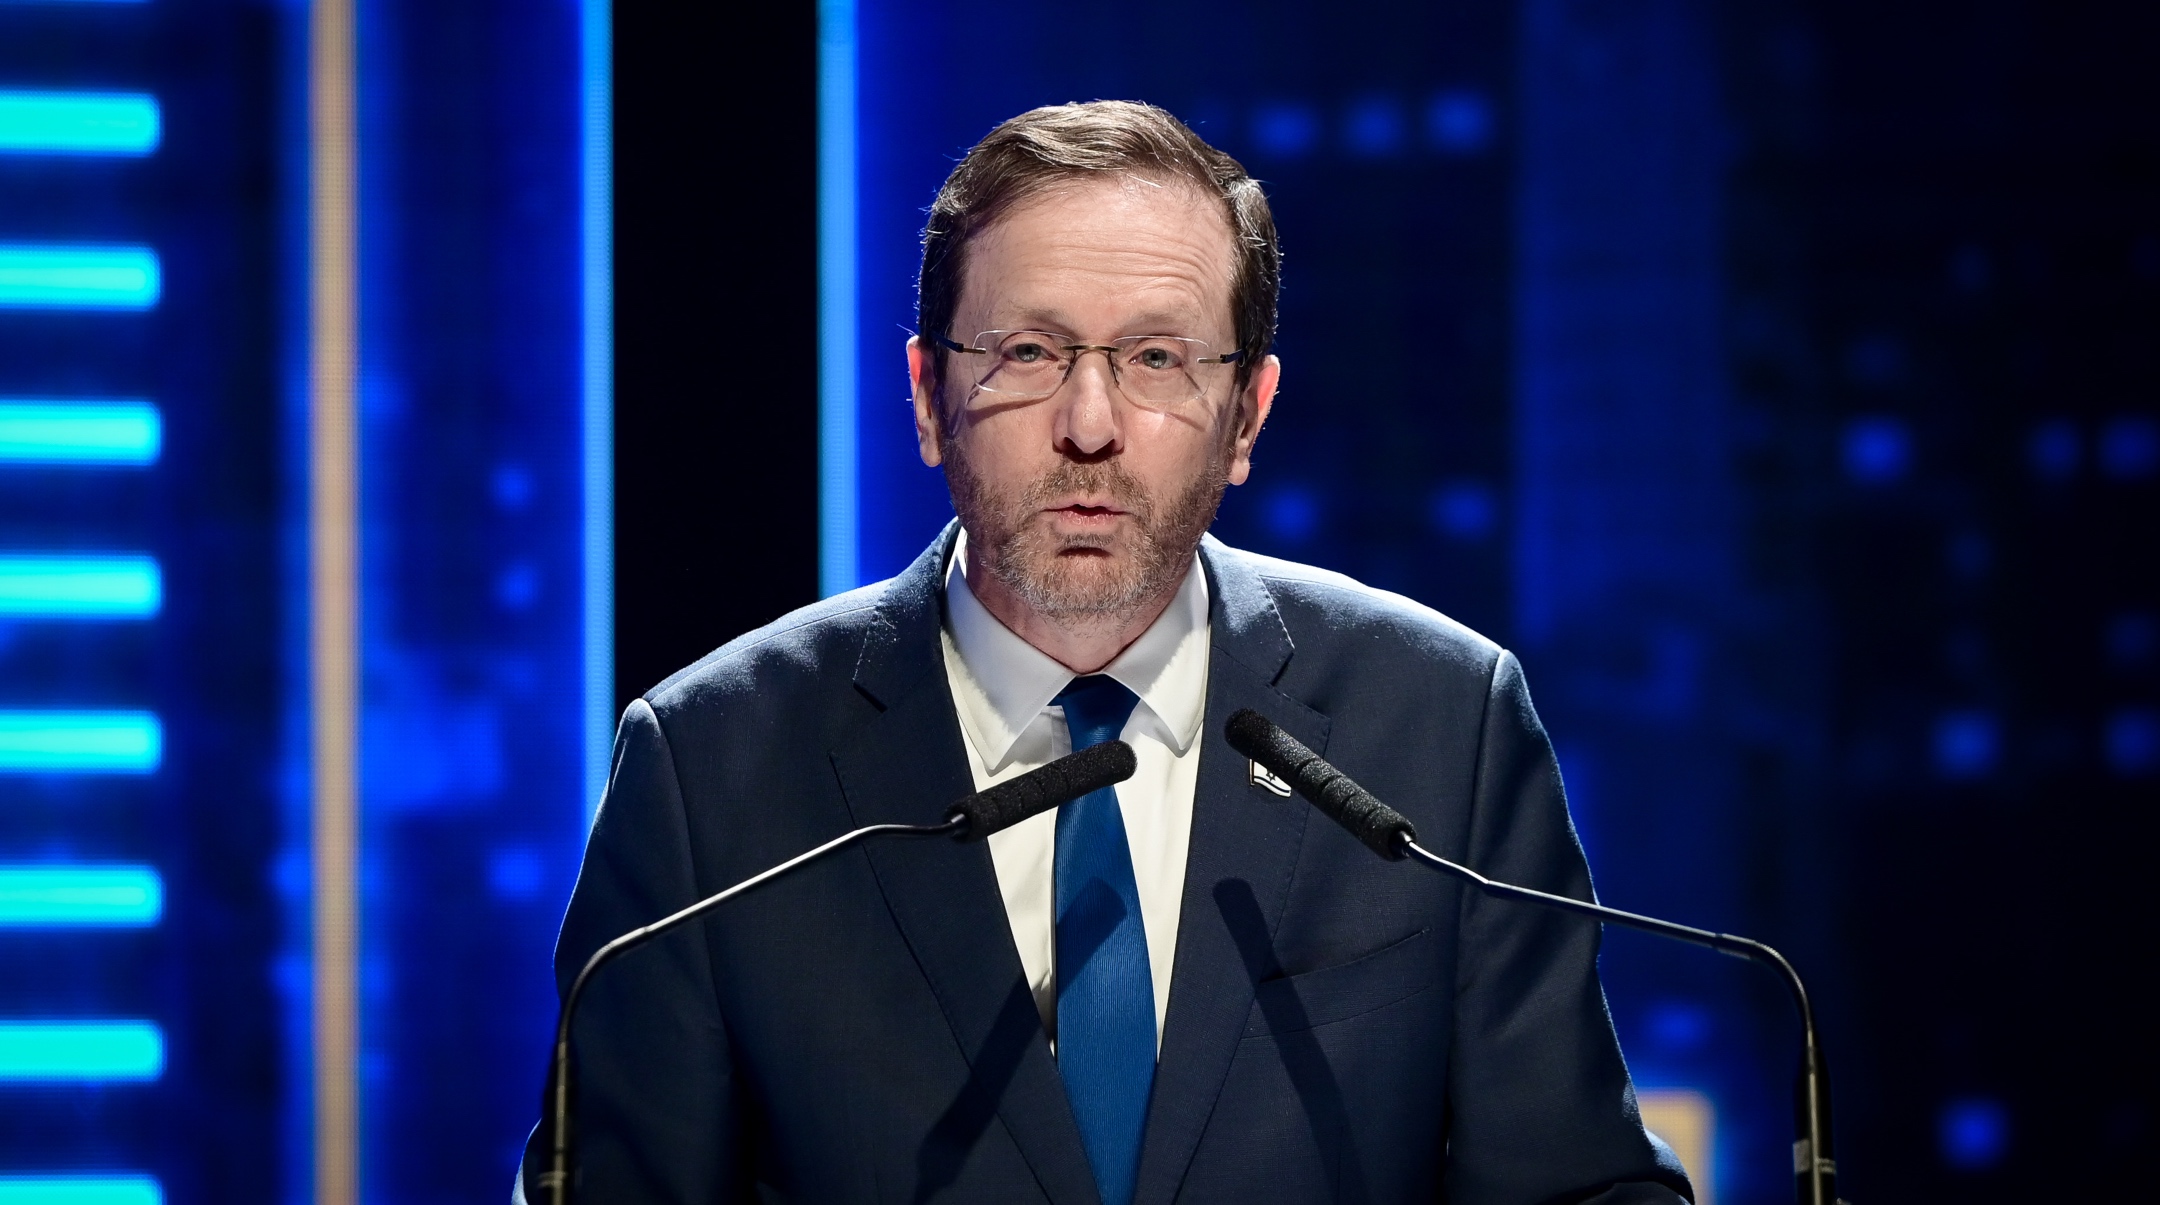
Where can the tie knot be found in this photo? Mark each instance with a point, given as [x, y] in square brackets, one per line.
[1096, 708]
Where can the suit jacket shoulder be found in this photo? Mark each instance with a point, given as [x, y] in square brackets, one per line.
[803, 643]
[1335, 616]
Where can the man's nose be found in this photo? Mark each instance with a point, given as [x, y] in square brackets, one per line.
[1087, 417]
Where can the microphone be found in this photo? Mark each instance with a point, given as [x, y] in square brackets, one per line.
[1388, 833]
[1039, 790]
[1383, 829]
[971, 818]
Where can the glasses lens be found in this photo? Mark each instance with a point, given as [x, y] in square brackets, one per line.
[1152, 370]
[1157, 370]
[1023, 363]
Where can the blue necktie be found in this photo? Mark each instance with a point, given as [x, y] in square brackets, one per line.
[1106, 996]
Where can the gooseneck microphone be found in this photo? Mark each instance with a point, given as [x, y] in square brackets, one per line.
[1389, 833]
[970, 819]
[1381, 828]
[1039, 790]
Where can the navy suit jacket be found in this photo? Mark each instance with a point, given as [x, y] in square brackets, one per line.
[1340, 1028]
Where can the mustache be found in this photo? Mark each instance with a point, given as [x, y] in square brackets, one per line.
[1107, 478]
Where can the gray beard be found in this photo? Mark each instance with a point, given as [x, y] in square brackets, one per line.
[1051, 573]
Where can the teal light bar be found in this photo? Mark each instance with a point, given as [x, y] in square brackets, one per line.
[79, 587]
[80, 742]
[80, 1190]
[81, 1050]
[86, 277]
[78, 123]
[75, 896]
[39, 431]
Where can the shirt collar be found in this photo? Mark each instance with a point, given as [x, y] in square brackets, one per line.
[1007, 682]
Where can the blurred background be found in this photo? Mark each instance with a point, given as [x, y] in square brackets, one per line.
[1780, 378]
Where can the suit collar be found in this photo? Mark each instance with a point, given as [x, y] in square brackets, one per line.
[1247, 627]
[902, 643]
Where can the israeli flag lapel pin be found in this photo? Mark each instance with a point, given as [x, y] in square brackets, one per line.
[1266, 781]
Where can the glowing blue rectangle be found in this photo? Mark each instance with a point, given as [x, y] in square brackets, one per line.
[78, 123]
[97, 278]
[839, 537]
[80, 1190]
[597, 420]
[80, 742]
[79, 587]
[50, 896]
[81, 1050]
[37, 431]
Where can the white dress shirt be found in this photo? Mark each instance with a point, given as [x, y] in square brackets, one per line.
[1002, 687]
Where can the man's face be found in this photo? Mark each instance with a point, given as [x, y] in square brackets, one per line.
[1085, 504]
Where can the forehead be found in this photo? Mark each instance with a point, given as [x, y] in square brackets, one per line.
[1098, 256]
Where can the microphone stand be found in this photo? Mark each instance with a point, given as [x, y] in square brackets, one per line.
[1389, 834]
[972, 818]
[1814, 1167]
[555, 1183]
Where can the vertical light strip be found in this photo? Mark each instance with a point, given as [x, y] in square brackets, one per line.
[839, 563]
[333, 592]
[597, 232]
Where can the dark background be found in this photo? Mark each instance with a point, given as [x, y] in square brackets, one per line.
[715, 328]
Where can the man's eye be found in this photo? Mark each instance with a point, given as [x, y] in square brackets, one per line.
[1027, 353]
[1160, 359]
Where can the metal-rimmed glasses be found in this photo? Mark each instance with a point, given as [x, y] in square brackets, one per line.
[1161, 371]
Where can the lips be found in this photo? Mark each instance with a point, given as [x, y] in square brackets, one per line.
[1084, 510]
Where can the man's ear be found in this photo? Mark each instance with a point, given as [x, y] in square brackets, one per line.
[1254, 403]
[922, 380]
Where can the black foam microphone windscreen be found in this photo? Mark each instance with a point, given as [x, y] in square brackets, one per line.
[1380, 827]
[1039, 790]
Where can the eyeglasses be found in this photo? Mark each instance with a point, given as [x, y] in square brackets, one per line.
[1161, 371]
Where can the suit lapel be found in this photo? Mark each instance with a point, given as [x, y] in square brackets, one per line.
[1245, 844]
[907, 765]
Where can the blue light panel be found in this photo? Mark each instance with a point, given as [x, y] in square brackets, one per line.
[80, 742]
[80, 1190]
[839, 542]
[51, 896]
[597, 414]
[79, 587]
[81, 1050]
[98, 278]
[78, 123]
[37, 431]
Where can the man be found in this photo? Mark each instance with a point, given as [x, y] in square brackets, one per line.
[1189, 988]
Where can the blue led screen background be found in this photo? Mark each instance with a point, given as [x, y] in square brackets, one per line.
[160, 265]
[145, 433]
[1777, 378]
